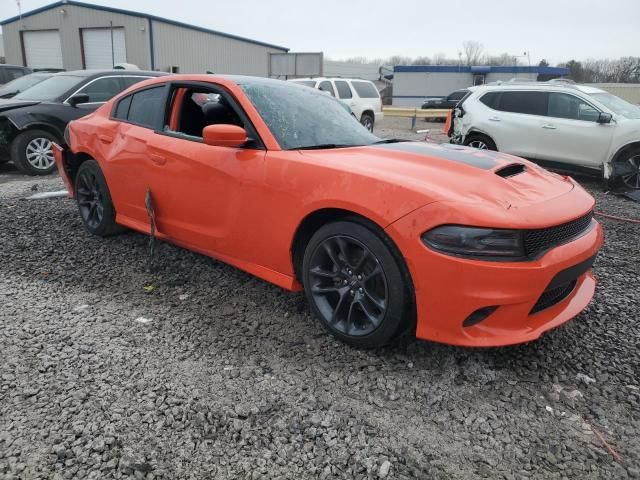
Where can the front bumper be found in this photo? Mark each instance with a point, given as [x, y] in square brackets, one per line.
[449, 289]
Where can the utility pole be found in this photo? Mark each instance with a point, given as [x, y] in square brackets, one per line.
[19, 9]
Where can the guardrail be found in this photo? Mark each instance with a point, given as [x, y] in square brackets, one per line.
[415, 113]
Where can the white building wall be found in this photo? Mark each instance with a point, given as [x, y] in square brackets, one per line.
[410, 89]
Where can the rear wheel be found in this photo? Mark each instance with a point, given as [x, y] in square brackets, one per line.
[94, 200]
[367, 121]
[357, 287]
[479, 141]
[32, 152]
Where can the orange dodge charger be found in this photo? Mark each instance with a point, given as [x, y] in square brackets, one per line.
[455, 245]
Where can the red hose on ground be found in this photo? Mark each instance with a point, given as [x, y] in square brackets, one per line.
[620, 219]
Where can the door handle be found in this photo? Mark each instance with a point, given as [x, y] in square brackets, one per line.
[548, 126]
[494, 119]
[105, 138]
[157, 159]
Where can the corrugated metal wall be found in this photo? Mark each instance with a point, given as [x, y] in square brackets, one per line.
[191, 50]
[196, 52]
[69, 23]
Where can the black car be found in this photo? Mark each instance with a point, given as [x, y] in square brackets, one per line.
[449, 101]
[31, 120]
[20, 84]
[11, 72]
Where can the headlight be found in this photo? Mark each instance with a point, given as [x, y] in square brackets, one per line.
[474, 241]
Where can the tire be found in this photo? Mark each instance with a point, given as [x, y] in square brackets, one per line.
[366, 301]
[629, 165]
[31, 152]
[94, 201]
[480, 141]
[367, 120]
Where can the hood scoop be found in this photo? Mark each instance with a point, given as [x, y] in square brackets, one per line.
[510, 170]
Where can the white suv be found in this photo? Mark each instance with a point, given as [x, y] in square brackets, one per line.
[562, 125]
[361, 96]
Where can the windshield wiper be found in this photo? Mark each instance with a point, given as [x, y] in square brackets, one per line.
[391, 140]
[323, 146]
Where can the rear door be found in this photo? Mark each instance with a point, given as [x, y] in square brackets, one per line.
[513, 120]
[124, 143]
[570, 133]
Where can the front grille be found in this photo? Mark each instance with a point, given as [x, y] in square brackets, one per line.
[552, 296]
[540, 240]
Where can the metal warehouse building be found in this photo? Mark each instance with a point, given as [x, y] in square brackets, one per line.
[413, 83]
[72, 35]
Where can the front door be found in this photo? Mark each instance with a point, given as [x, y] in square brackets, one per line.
[199, 190]
[571, 133]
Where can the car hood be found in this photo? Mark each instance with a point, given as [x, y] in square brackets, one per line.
[10, 104]
[450, 172]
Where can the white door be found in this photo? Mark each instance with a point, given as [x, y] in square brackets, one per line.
[96, 43]
[42, 49]
[571, 132]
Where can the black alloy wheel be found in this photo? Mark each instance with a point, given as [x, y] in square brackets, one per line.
[94, 200]
[357, 284]
[90, 199]
[631, 175]
[349, 286]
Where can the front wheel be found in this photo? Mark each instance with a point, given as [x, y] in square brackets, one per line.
[629, 167]
[357, 287]
[32, 152]
[479, 141]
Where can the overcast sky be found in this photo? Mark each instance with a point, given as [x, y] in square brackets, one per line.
[557, 30]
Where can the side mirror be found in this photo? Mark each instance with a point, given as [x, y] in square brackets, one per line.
[604, 117]
[224, 135]
[78, 99]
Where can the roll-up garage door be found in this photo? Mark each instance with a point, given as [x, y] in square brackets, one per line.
[42, 49]
[96, 43]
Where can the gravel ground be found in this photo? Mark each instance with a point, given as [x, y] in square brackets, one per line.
[211, 373]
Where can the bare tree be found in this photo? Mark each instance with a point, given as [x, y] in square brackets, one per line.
[473, 51]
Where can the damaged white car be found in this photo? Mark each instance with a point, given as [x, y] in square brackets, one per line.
[557, 124]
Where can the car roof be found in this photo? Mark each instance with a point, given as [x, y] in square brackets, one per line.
[556, 86]
[315, 79]
[90, 73]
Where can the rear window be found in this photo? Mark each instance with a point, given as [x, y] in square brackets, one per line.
[147, 107]
[491, 99]
[122, 109]
[530, 103]
[365, 89]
